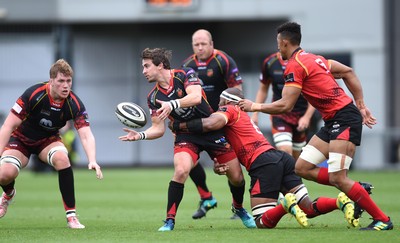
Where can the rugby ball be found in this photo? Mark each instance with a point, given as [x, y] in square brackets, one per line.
[131, 114]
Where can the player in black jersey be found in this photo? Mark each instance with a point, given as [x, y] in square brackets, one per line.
[32, 127]
[178, 95]
[217, 71]
[289, 129]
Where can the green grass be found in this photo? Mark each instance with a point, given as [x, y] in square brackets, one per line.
[128, 205]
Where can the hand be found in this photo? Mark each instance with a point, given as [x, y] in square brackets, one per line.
[131, 136]
[165, 109]
[368, 119]
[304, 123]
[220, 169]
[245, 104]
[96, 167]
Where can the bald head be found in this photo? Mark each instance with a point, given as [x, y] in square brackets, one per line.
[202, 44]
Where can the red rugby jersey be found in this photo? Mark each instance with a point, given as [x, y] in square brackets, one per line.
[311, 73]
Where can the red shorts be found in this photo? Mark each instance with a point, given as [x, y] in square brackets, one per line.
[28, 146]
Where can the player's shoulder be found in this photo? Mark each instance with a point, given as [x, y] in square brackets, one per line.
[189, 61]
[35, 90]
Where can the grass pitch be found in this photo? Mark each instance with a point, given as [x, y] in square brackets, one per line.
[128, 205]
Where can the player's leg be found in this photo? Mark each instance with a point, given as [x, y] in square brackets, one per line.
[56, 155]
[236, 184]
[338, 165]
[282, 134]
[11, 162]
[299, 141]
[264, 191]
[314, 153]
[207, 201]
[184, 159]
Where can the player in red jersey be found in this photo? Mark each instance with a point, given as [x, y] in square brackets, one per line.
[216, 71]
[178, 95]
[32, 127]
[314, 77]
[289, 129]
[271, 170]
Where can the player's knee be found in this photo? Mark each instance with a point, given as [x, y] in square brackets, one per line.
[58, 158]
[10, 167]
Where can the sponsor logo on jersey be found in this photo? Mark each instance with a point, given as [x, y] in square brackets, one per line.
[179, 92]
[46, 123]
[210, 72]
[289, 77]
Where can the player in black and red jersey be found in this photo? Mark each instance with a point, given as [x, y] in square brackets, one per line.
[32, 127]
[216, 71]
[178, 95]
[271, 170]
[289, 129]
[314, 77]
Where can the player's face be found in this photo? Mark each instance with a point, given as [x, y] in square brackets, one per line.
[60, 86]
[202, 46]
[282, 47]
[150, 71]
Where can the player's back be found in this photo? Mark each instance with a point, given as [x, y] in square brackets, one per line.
[245, 136]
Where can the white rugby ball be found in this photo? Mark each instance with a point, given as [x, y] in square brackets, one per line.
[131, 114]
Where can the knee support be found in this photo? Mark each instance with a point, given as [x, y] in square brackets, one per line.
[283, 139]
[338, 162]
[312, 155]
[260, 209]
[301, 192]
[52, 151]
[298, 146]
[11, 160]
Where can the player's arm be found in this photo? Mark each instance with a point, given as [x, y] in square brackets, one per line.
[352, 82]
[10, 124]
[193, 97]
[290, 94]
[89, 145]
[214, 122]
[156, 130]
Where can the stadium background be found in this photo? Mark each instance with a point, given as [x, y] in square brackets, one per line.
[102, 39]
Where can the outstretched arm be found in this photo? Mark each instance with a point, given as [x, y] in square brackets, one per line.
[156, 130]
[285, 104]
[214, 122]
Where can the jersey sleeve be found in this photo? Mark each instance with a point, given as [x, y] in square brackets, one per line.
[294, 75]
[81, 117]
[21, 108]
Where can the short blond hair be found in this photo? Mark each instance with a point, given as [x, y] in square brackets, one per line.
[61, 66]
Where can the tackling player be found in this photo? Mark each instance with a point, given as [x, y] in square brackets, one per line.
[271, 170]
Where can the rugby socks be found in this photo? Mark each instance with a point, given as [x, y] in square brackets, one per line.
[359, 195]
[198, 176]
[9, 189]
[271, 217]
[323, 176]
[175, 195]
[237, 194]
[321, 205]
[66, 185]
